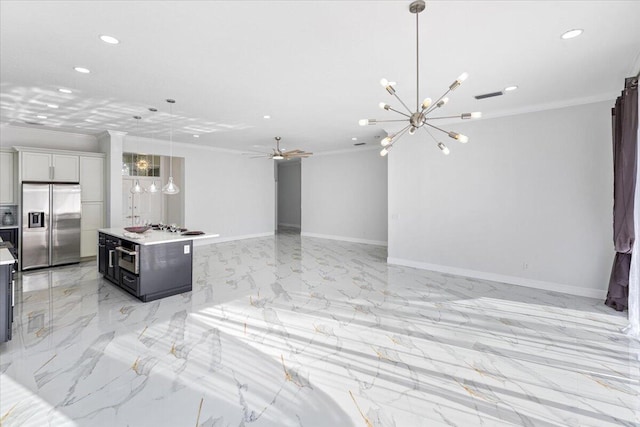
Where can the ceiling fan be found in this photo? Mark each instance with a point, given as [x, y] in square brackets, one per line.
[278, 154]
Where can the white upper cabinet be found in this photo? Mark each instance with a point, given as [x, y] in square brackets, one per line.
[39, 166]
[65, 168]
[92, 178]
[7, 178]
[36, 166]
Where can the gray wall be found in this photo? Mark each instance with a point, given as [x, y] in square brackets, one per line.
[289, 203]
[344, 196]
[528, 201]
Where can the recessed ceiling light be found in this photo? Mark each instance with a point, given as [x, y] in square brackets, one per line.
[52, 106]
[572, 34]
[266, 117]
[354, 139]
[40, 116]
[63, 90]
[153, 110]
[82, 70]
[109, 39]
[196, 136]
[510, 88]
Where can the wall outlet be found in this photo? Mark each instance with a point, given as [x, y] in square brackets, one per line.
[525, 266]
[187, 249]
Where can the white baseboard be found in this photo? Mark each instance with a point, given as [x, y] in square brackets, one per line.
[513, 280]
[344, 239]
[205, 242]
[289, 225]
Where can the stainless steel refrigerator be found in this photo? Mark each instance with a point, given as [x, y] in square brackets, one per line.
[50, 225]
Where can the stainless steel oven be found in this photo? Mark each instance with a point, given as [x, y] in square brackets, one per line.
[129, 257]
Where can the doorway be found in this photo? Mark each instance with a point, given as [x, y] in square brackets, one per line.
[288, 195]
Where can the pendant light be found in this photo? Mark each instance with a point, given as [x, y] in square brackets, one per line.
[137, 188]
[170, 188]
[153, 188]
[419, 117]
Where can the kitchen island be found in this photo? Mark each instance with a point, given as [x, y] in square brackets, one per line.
[7, 290]
[151, 265]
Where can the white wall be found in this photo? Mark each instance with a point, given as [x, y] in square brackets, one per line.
[528, 201]
[344, 196]
[289, 193]
[42, 138]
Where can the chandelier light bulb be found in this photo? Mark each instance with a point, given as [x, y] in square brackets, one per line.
[278, 157]
[384, 82]
[384, 106]
[475, 115]
[386, 141]
[462, 138]
[412, 130]
[426, 103]
[363, 122]
[384, 151]
[442, 102]
[443, 148]
[462, 77]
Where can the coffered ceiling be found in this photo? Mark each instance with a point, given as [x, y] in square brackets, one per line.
[312, 66]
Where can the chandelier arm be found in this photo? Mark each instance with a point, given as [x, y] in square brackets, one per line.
[430, 134]
[436, 127]
[399, 112]
[403, 104]
[435, 104]
[442, 117]
[399, 120]
[402, 132]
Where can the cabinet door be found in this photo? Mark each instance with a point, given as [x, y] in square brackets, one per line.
[36, 167]
[66, 168]
[7, 179]
[92, 179]
[91, 221]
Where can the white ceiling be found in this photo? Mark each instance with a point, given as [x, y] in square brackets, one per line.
[313, 66]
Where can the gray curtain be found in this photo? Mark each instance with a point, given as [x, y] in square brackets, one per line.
[625, 141]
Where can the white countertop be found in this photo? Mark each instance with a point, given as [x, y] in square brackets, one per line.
[154, 237]
[5, 256]
[2, 227]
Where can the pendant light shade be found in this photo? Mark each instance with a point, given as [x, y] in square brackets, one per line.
[137, 189]
[153, 188]
[170, 188]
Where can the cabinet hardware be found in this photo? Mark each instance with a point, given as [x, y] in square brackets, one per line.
[111, 252]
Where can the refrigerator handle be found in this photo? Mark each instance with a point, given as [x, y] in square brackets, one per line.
[50, 223]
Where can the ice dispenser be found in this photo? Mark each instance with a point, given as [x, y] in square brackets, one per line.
[36, 219]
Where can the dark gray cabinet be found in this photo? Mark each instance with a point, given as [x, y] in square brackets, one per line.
[6, 301]
[148, 272]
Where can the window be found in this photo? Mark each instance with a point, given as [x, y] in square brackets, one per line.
[134, 164]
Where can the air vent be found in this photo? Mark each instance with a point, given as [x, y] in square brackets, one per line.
[489, 95]
[359, 143]
[34, 123]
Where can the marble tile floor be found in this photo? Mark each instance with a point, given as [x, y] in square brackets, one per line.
[296, 331]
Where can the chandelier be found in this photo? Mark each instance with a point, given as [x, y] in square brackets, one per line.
[420, 117]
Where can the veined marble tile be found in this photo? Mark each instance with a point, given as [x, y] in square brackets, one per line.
[296, 331]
